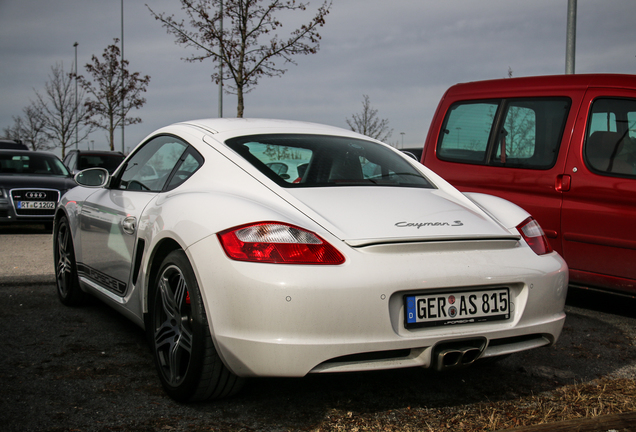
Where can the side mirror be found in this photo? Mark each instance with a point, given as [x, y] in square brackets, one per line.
[93, 177]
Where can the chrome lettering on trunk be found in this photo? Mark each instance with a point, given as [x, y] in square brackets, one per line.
[419, 225]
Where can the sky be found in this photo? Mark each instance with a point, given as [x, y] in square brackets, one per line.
[403, 54]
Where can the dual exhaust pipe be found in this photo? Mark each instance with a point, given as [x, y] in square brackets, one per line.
[456, 354]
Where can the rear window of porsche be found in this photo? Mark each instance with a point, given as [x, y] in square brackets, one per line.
[322, 161]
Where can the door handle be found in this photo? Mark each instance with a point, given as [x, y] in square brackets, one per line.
[129, 225]
[562, 183]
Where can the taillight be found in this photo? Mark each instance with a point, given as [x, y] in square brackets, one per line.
[532, 233]
[275, 242]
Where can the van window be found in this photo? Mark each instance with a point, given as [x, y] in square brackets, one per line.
[466, 131]
[610, 145]
[523, 133]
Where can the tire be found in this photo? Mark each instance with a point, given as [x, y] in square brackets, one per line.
[189, 367]
[68, 289]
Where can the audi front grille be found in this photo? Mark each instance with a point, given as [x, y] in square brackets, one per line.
[35, 202]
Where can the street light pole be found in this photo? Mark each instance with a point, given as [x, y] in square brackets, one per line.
[570, 42]
[123, 113]
[76, 112]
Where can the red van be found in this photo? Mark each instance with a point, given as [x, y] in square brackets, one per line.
[563, 148]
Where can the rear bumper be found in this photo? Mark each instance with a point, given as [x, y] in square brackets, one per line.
[291, 320]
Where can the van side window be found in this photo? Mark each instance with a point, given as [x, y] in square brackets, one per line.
[610, 145]
[520, 133]
[466, 131]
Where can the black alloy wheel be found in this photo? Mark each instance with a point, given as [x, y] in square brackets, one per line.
[189, 367]
[68, 289]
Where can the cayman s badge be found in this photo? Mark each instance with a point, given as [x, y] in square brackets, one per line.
[419, 225]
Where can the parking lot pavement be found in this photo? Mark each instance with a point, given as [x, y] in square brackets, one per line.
[78, 360]
[26, 256]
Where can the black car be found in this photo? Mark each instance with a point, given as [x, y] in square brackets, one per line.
[12, 145]
[78, 160]
[31, 184]
[415, 152]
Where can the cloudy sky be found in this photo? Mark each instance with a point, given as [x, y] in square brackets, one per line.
[403, 54]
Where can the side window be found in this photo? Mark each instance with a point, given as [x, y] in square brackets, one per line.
[517, 139]
[190, 164]
[149, 168]
[466, 131]
[531, 133]
[610, 145]
[69, 161]
[528, 132]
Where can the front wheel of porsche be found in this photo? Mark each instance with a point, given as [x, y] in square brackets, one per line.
[68, 289]
[189, 367]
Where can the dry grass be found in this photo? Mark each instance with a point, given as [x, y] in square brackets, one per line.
[600, 397]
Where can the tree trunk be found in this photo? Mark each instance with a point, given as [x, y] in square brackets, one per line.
[240, 105]
[111, 138]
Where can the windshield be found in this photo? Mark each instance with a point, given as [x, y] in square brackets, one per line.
[323, 161]
[31, 164]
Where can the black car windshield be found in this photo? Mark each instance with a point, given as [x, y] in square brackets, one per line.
[31, 163]
[302, 160]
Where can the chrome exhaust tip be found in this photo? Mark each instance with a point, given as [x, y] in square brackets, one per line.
[449, 355]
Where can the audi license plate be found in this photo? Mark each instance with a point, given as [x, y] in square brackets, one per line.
[428, 310]
[47, 205]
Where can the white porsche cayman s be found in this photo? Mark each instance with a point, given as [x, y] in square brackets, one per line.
[253, 248]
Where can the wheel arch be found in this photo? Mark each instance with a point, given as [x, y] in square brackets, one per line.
[61, 212]
[161, 250]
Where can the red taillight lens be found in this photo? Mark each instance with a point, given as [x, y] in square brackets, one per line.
[532, 233]
[274, 242]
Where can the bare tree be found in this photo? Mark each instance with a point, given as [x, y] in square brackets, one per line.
[368, 123]
[112, 89]
[250, 46]
[13, 132]
[62, 117]
[30, 129]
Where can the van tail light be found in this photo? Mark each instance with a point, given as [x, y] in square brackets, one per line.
[532, 233]
[279, 243]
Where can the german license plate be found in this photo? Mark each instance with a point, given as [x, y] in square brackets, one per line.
[466, 307]
[36, 205]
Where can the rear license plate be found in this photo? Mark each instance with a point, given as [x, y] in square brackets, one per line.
[49, 205]
[440, 309]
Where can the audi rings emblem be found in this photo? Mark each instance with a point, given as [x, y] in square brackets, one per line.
[35, 195]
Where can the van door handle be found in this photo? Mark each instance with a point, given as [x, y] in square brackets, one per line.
[562, 183]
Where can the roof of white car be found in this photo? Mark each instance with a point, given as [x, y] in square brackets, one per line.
[241, 126]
